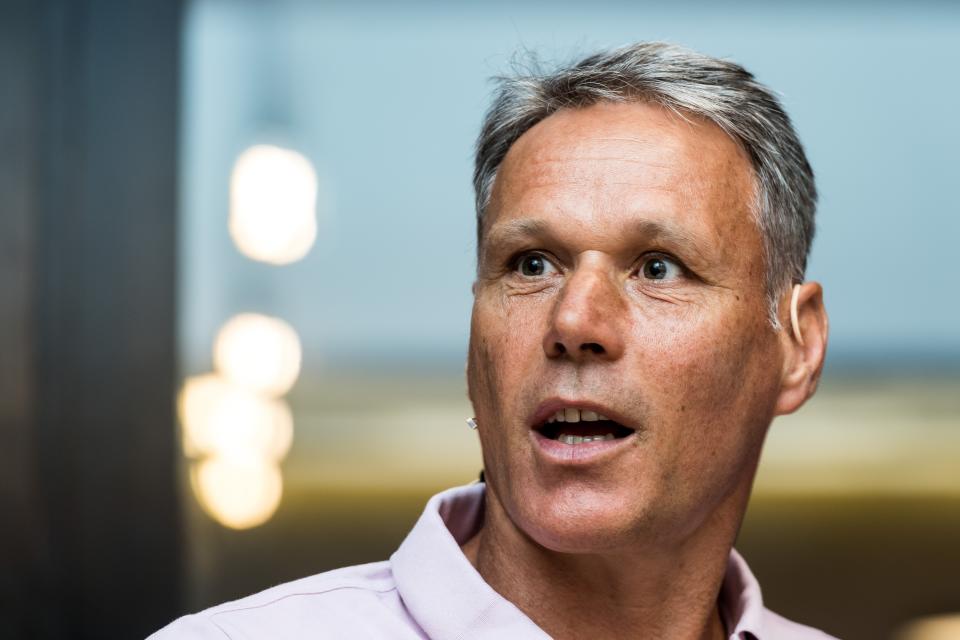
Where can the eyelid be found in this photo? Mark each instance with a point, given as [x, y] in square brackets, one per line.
[662, 255]
[514, 262]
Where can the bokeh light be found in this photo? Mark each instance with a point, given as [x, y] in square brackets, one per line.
[238, 493]
[227, 421]
[273, 198]
[258, 352]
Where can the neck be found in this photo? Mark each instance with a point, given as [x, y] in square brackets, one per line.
[667, 591]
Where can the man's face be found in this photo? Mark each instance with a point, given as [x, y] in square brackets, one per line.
[621, 273]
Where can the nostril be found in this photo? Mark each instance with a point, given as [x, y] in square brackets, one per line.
[593, 347]
[560, 348]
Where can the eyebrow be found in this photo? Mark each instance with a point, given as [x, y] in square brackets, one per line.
[515, 230]
[658, 231]
[522, 229]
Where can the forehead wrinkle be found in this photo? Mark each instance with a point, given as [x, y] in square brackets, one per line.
[592, 183]
[566, 158]
[649, 148]
[571, 171]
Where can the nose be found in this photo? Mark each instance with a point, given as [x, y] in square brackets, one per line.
[588, 319]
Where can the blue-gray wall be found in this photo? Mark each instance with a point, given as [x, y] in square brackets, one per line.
[386, 102]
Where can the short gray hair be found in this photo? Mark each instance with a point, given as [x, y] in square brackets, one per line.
[685, 82]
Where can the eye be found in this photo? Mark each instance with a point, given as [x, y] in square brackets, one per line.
[533, 265]
[660, 268]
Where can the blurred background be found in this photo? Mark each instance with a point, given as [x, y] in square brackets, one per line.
[236, 250]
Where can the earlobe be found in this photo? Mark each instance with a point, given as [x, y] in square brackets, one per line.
[805, 346]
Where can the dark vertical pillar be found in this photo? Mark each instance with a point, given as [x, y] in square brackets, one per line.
[26, 568]
[88, 173]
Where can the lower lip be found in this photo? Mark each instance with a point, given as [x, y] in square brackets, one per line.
[578, 454]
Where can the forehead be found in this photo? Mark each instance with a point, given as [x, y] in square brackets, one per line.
[609, 166]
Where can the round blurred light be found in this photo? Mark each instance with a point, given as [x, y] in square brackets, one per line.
[231, 422]
[198, 404]
[258, 352]
[943, 627]
[273, 199]
[238, 493]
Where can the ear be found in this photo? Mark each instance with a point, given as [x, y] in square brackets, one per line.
[804, 343]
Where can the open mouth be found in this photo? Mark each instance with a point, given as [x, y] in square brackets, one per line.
[575, 426]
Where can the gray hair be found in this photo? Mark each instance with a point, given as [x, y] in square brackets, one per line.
[686, 82]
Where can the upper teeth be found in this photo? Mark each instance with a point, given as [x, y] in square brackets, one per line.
[576, 415]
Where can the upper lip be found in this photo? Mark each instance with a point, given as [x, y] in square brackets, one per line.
[550, 406]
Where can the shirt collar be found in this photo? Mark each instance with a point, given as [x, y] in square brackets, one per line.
[450, 600]
[741, 604]
[438, 585]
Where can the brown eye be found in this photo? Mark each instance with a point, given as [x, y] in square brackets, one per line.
[660, 268]
[533, 265]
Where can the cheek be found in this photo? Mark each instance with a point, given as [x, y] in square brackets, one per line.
[504, 362]
[493, 371]
[482, 378]
[707, 404]
[713, 380]
[505, 338]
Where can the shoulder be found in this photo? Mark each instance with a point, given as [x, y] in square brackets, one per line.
[359, 597]
[776, 626]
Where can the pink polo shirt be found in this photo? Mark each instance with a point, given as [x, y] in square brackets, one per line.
[428, 589]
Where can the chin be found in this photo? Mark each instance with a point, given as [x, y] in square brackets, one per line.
[578, 520]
